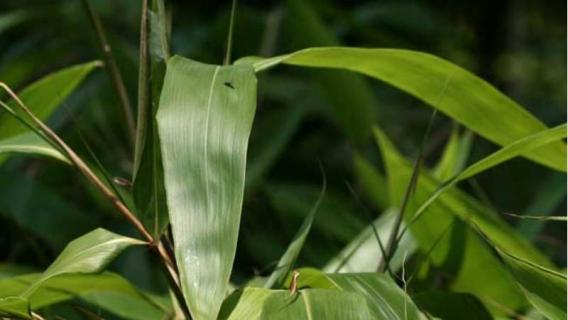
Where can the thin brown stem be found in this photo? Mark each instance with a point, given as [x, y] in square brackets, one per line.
[114, 72]
[82, 166]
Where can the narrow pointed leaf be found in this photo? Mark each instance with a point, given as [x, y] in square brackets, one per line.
[204, 121]
[287, 261]
[454, 157]
[89, 253]
[467, 99]
[45, 95]
[91, 288]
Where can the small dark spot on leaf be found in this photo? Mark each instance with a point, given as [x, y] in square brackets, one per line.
[229, 84]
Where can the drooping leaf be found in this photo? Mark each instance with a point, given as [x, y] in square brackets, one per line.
[467, 98]
[204, 135]
[288, 259]
[89, 253]
[363, 254]
[29, 143]
[373, 183]
[264, 304]
[45, 95]
[91, 288]
[544, 288]
[452, 305]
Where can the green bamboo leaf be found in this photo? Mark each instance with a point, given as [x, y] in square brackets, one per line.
[467, 99]
[461, 253]
[91, 288]
[384, 298]
[204, 135]
[287, 261]
[89, 253]
[264, 304]
[508, 152]
[543, 287]
[45, 95]
[15, 306]
[454, 157]
[30, 144]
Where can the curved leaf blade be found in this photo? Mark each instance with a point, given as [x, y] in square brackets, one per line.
[204, 135]
[89, 253]
[45, 95]
[30, 144]
[91, 288]
[467, 99]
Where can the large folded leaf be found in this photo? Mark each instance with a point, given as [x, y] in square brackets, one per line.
[544, 288]
[91, 288]
[45, 95]
[466, 98]
[264, 304]
[204, 134]
[31, 144]
[89, 253]
[288, 259]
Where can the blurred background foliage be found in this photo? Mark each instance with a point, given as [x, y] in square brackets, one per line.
[304, 117]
